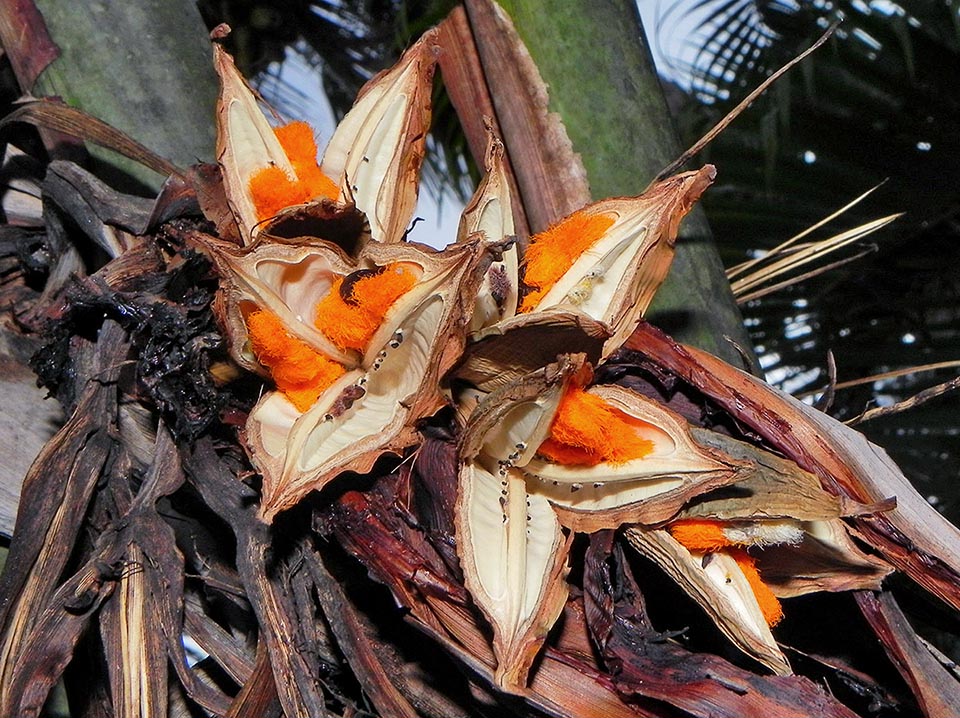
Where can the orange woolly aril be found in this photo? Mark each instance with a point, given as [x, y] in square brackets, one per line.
[769, 604]
[350, 314]
[703, 535]
[298, 142]
[700, 534]
[552, 252]
[587, 431]
[274, 190]
[300, 371]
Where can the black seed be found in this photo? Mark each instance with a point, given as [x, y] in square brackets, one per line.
[346, 286]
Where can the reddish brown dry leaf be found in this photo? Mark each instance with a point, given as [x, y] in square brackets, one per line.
[279, 624]
[933, 682]
[26, 42]
[360, 649]
[258, 697]
[464, 82]
[561, 686]
[55, 115]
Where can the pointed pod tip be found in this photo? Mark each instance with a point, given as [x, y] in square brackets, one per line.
[697, 182]
[220, 32]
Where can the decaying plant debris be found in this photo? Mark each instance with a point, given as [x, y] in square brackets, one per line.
[497, 491]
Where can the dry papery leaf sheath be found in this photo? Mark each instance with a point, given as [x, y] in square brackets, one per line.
[289, 401]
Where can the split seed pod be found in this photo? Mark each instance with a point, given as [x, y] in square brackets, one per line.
[718, 584]
[648, 489]
[377, 149]
[490, 212]
[372, 160]
[608, 259]
[512, 549]
[373, 407]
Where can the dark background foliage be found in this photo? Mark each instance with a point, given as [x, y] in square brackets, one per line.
[877, 104]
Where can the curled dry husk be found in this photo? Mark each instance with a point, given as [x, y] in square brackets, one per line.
[505, 352]
[615, 279]
[372, 409]
[374, 156]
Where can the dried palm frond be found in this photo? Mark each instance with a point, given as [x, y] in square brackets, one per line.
[791, 256]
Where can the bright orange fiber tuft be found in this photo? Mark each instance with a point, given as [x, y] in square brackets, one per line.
[273, 190]
[298, 142]
[350, 323]
[300, 371]
[700, 534]
[707, 536]
[552, 252]
[587, 431]
[769, 604]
